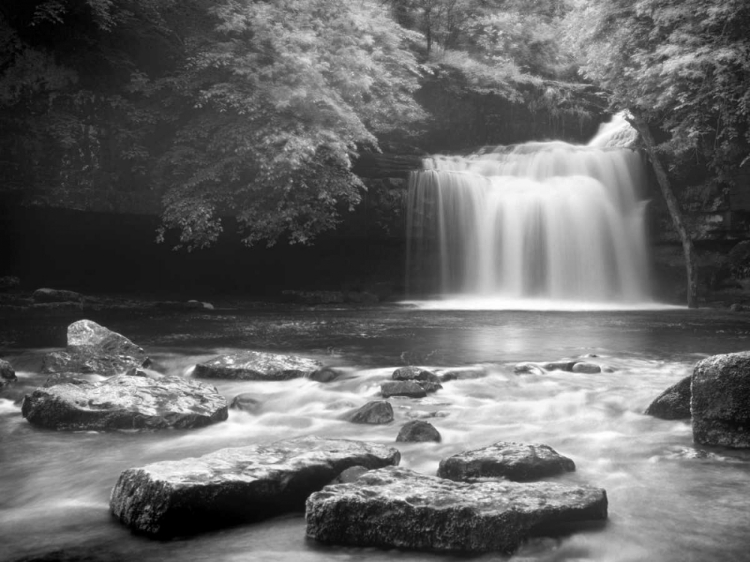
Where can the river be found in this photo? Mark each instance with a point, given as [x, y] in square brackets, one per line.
[670, 501]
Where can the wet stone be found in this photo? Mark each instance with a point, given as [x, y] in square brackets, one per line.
[7, 373]
[409, 389]
[720, 397]
[246, 403]
[56, 295]
[125, 402]
[374, 413]
[520, 462]
[673, 403]
[418, 431]
[95, 349]
[326, 374]
[396, 507]
[257, 365]
[230, 486]
[585, 367]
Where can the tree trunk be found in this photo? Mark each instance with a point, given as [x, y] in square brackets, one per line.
[688, 251]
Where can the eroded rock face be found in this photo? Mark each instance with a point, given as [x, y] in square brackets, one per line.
[673, 403]
[396, 507]
[229, 486]
[257, 365]
[374, 413]
[95, 349]
[520, 462]
[418, 431]
[720, 401]
[125, 402]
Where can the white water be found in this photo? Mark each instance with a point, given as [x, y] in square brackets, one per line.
[543, 221]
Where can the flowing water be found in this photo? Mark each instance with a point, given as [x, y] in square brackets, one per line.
[670, 501]
[545, 221]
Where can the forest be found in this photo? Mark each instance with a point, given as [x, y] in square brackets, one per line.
[200, 110]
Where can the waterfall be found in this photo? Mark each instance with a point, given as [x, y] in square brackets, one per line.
[541, 220]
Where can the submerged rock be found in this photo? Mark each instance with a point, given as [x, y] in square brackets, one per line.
[396, 507]
[313, 297]
[559, 366]
[246, 402]
[374, 413]
[410, 389]
[505, 459]
[462, 373]
[95, 349]
[230, 486]
[528, 368]
[257, 365]
[673, 403]
[720, 401]
[325, 374]
[418, 431]
[125, 402]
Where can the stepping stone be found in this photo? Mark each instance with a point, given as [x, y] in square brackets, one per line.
[257, 366]
[505, 459]
[396, 507]
[418, 431]
[125, 402]
[230, 486]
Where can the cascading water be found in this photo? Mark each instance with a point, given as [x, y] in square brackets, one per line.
[545, 221]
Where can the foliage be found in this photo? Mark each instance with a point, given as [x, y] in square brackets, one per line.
[684, 65]
[286, 92]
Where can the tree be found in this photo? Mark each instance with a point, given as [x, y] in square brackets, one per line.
[681, 66]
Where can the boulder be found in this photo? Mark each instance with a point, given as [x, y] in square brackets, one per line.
[520, 462]
[95, 349]
[257, 366]
[56, 295]
[7, 373]
[414, 374]
[720, 400]
[396, 507]
[125, 402]
[428, 380]
[418, 431]
[246, 402]
[410, 389]
[586, 367]
[231, 486]
[374, 413]
[673, 403]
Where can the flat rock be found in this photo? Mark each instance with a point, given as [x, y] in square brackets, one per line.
[462, 373]
[374, 413]
[720, 400]
[230, 486]
[505, 459]
[410, 389]
[418, 431]
[95, 349]
[396, 507]
[673, 403]
[257, 365]
[125, 402]
[56, 295]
